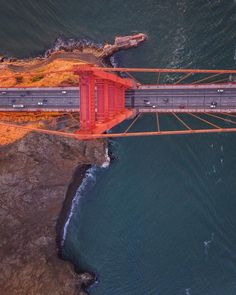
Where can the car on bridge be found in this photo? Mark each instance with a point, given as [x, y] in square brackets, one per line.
[147, 102]
[213, 105]
[18, 106]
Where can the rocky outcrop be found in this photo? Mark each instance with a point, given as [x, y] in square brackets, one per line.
[56, 67]
[122, 43]
[35, 172]
[66, 48]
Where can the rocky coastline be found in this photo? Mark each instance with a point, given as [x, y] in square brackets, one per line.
[39, 176]
[38, 181]
[87, 50]
[56, 66]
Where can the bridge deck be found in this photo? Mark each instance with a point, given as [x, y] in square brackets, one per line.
[183, 98]
[147, 98]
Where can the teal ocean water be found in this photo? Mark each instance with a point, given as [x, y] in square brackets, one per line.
[161, 219]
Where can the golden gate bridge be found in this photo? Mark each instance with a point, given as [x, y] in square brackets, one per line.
[105, 98]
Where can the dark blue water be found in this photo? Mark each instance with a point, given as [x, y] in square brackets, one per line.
[161, 219]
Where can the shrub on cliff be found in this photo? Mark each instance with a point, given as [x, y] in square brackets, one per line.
[37, 78]
[19, 79]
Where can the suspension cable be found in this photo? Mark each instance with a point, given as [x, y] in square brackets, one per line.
[222, 80]
[158, 122]
[205, 121]
[224, 119]
[206, 78]
[183, 78]
[183, 123]
[230, 115]
[135, 119]
[158, 78]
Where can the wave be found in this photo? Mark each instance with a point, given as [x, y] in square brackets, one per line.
[62, 43]
[107, 161]
[89, 179]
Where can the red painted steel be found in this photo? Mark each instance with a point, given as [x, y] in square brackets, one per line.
[120, 99]
[141, 70]
[87, 101]
[84, 136]
[101, 117]
[116, 100]
[106, 99]
[111, 102]
[101, 74]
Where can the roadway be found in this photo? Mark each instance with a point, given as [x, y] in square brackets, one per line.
[36, 99]
[147, 98]
[184, 98]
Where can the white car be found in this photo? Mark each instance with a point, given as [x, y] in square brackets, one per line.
[213, 105]
[4, 93]
[18, 106]
[40, 103]
[220, 90]
[64, 92]
[153, 106]
[147, 102]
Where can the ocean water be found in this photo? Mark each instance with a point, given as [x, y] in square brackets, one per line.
[161, 219]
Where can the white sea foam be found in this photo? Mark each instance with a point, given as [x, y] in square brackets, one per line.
[89, 179]
[106, 164]
[208, 243]
[187, 291]
[214, 168]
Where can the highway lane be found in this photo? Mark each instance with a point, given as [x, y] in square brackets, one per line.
[48, 99]
[146, 98]
[184, 98]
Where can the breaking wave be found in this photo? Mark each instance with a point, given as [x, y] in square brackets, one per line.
[89, 179]
[71, 44]
[107, 161]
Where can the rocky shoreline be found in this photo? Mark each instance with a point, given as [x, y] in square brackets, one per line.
[56, 67]
[39, 177]
[36, 174]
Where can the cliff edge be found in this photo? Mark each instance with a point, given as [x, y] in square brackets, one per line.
[35, 172]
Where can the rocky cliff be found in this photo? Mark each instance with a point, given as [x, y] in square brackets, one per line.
[35, 172]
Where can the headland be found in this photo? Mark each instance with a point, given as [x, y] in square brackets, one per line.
[39, 173]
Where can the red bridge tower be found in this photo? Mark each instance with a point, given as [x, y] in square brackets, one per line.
[102, 99]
